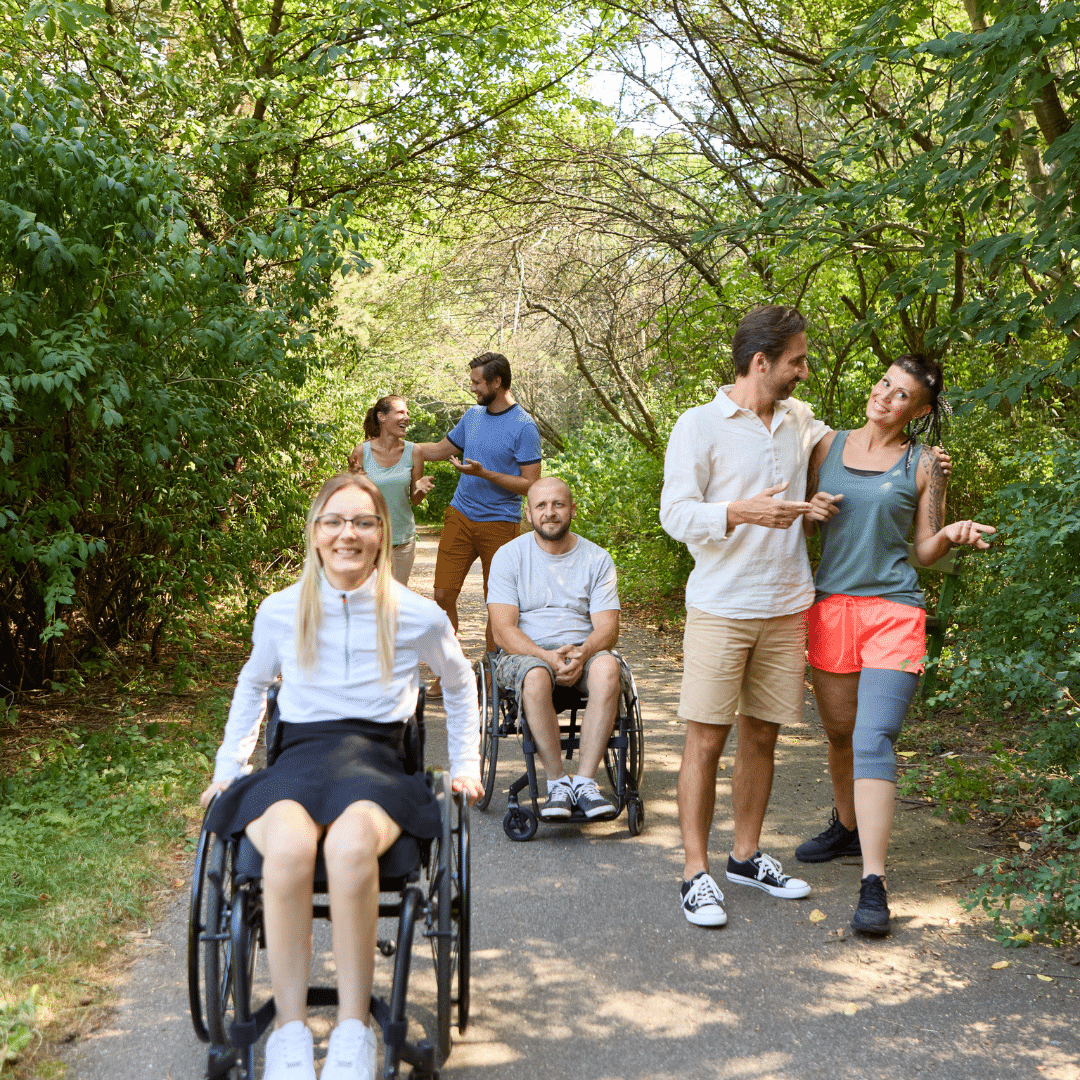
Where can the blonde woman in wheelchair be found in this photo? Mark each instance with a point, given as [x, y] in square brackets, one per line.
[346, 640]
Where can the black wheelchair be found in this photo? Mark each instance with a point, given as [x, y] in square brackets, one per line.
[501, 715]
[430, 880]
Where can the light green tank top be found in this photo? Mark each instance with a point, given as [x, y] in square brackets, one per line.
[395, 484]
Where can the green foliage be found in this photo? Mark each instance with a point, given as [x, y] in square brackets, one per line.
[72, 824]
[17, 1026]
[616, 484]
[1020, 609]
[148, 380]
[1045, 885]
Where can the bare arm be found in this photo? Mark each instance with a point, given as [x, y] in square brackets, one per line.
[438, 451]
[504, 628]
[823, 505]
[421, 484]
[519, 485]
[605, 635]
[933, 537]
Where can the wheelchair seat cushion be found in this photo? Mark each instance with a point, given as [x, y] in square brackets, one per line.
[327, 766]
[396, 863]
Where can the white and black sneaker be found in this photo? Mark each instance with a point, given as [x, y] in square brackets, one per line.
[764, 872]
[701, 899]
[560, 800]
[589, 800]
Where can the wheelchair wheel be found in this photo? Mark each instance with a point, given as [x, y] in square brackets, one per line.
[197, 928]
[218, 942]
[489, 723]
[448, 893]
[635, 750]
[635, 816]
[519, 823]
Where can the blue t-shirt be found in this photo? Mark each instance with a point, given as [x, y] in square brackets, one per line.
[501, 442]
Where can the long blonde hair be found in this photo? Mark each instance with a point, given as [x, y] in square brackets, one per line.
[309, 608]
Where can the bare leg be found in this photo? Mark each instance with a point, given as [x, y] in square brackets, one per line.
[601, 709]
[543, 721]
[751, 781]
[697, 791]
[352, 848]
[874, 801]
[837, 699]
[287, 839]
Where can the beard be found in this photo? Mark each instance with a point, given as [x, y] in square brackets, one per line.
[485, 399]
[552, 531]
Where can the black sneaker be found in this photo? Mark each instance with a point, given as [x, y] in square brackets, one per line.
[837, 840]
[560, 801]
[765, 873]
[872, 914]
[701, 900]
[589, 800]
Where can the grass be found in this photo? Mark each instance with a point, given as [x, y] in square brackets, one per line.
[98, 810]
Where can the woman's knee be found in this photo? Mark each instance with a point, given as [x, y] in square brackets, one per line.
[355, 841]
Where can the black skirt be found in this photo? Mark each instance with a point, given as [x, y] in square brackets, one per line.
[326, 767]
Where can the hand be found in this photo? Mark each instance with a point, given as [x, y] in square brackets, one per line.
[469, 468]
[968, 534]
[423, 485]
[823, 506]
[944, 461]
[215, 788]
[764, 510]
[471, 785]
[356, 458]
[570, 664]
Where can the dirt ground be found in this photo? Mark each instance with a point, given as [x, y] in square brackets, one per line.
[584, 967]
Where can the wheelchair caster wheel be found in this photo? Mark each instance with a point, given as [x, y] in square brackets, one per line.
[520, 823]
[635, 817]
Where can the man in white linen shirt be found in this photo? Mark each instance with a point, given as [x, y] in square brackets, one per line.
[746, 599]
[553, 605]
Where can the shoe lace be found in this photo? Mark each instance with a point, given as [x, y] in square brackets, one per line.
[293, 1043]
[705, 891]
[872, 894]
[834, 827]
[768, 865]
[587, 788]
[560, 789]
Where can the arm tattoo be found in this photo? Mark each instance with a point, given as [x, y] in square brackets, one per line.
[937, 489]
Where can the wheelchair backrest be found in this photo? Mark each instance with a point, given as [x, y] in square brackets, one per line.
[414, 731]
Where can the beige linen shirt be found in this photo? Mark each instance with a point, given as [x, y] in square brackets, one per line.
[719, 453]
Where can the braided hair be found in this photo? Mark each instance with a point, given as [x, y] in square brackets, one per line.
[930, 375]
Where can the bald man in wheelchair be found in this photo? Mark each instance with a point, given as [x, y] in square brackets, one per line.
[553, 605]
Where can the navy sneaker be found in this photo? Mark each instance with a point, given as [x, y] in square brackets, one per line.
[589, 800]
[764, 872]
[701, 899]
[560, 801]
[872, 914]
[836, 841]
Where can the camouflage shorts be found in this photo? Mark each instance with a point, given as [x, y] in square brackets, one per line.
[511, 669]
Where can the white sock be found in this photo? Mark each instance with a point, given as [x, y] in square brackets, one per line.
[564, 779]
[580, 781]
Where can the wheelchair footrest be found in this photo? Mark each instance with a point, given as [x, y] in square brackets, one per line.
[250, 1031]
[321, 996]
[220, 1061]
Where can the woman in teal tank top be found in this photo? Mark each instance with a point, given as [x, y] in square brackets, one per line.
[396, 468]
[868, 624]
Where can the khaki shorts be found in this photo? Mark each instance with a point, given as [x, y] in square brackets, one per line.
[511, 669]
[755, 666]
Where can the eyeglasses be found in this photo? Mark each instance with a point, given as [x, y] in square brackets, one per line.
[334, 523]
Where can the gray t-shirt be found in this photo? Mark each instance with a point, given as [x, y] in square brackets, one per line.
[555, 594]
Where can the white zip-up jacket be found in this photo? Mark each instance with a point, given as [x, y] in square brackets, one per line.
[346, 682]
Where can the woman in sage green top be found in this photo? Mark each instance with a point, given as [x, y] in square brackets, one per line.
[867, 628]
[396, 468]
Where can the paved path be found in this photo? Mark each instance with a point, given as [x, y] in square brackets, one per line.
[585, 968]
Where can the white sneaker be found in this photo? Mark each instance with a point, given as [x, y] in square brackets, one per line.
[352, 1053]
[701, 899]
[290, 1053]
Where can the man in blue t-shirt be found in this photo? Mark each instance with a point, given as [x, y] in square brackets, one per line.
[499, 447]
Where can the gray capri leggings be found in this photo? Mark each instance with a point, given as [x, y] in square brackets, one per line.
[884, 698]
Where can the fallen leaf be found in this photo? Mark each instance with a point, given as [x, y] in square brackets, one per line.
[1024, 936]
[1044, 978]
[817, 916]
[1000, 965]
[178, 883]
[850, 1009]
[1023, 845]
[905, 753]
